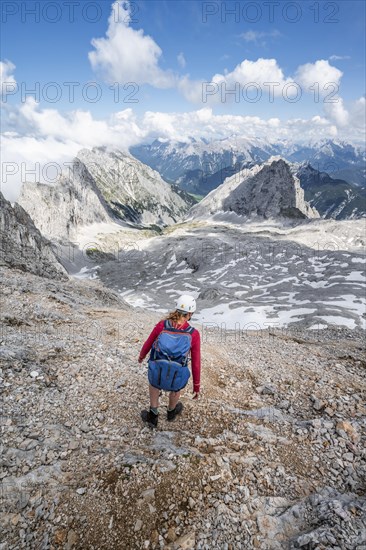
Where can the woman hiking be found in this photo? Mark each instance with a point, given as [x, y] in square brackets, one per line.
[170, 342]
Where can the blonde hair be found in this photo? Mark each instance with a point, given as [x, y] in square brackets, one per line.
[175, 316]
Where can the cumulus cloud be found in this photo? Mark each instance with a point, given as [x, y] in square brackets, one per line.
[319, 72]
[357, 115]
[126, 54]
[194, 90]
[258, 76]
[259, 72]
[324, 81]
[267, 77]
[203, 123]
[7, 79]
[54, 139]
[336, 112]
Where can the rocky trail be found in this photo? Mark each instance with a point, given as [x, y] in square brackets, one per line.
[272, 455]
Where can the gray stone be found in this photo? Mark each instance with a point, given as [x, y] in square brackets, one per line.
[22, 244]
[138, 525]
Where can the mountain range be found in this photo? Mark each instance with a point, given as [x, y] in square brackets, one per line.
[109, 199]
[104, 187]
[110, 186]
[199, 166]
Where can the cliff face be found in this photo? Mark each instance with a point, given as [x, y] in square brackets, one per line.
[102, 187]
[269, 191]
[59, 210]
[22, 246]
[133, 191]
[332, 197]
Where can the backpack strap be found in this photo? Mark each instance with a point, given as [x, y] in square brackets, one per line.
[169, 326]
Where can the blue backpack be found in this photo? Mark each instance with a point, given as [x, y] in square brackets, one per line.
[168, 362]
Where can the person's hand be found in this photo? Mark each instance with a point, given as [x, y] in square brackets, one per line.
[195, 395]
[140, 360]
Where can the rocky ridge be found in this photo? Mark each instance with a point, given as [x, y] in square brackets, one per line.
[268, 190]
[102, 186]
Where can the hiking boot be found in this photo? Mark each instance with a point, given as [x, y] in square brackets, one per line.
[172, 414]
[150, 418]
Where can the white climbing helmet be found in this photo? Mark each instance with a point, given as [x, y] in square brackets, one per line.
[186, 304]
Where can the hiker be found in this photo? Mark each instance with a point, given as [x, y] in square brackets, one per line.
[170, 342]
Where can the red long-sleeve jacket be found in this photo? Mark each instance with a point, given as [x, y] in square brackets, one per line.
[195, 350]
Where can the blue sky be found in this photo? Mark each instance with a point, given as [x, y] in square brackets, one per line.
[172, 52]
[45, 51]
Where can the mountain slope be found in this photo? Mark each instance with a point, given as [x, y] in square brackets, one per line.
[333, 198]
[59, 210]
[134, 191]
[100, 187]
[269, 191]
[22, 246]
[271, 456]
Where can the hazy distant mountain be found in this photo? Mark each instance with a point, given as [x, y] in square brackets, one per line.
[333, 198]
[198, 166]
[338, 158]
[175, 159]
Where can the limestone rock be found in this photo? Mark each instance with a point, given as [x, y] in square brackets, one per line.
[102, 186]
[269, 190]
[22, 246]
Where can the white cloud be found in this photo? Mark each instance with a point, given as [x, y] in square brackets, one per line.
[192, 90]
[126, 54]
[181, 60]
[77, 126]
[260, 71]
[267, 77]
[7, 79]
[319, 72]
[323, 80]
[257, 36]
[336, 112]
[357, 115]
[204, 123]
[339, 57]
[55, 138]
[261, 75]
[130, 55]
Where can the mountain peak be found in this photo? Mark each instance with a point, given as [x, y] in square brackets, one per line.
[103, 186]
[269, 190]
